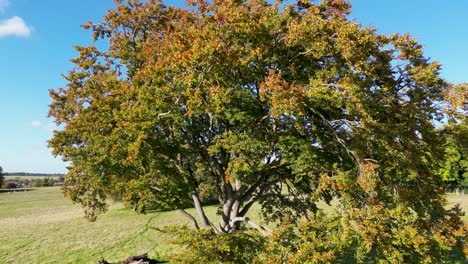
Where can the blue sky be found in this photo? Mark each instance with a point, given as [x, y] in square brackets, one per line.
[37, 39]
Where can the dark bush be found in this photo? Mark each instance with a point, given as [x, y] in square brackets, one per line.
[8, 185]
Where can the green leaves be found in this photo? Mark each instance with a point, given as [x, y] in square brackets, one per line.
[206, 246]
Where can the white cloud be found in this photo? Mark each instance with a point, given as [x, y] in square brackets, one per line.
[48, 127]
[36, 123]
[3, 5]
[14, 26]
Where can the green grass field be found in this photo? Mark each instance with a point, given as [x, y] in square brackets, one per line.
[43, 227]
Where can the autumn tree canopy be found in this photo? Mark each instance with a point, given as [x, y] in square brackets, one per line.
[253, 102]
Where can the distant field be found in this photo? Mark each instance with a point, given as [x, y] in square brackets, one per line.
[29, 177]
[42, 227]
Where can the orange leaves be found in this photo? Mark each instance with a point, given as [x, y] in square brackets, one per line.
[338, 8]
[194, 101]
[368, 178]
[285, 98]
[228, 177]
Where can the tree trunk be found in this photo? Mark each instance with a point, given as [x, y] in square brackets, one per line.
[234, 213]
[201, 213]
[230, 211]
[226, 216]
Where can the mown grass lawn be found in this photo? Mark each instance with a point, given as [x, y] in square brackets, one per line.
[41, 226]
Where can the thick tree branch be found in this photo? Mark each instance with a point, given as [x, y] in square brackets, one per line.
[248, 205]
[191, 218]
[225, 216]
[254, 187]
[254, 198]
[197, 204]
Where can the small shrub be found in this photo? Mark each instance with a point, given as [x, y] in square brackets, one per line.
[45, 182]
[205, 246]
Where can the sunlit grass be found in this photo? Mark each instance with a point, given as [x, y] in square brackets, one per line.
[462, 200]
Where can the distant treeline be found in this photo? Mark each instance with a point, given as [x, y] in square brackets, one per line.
[33, 174]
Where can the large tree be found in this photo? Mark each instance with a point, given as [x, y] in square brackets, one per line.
[247, 101]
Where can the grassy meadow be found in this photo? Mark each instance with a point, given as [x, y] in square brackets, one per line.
[41, 226]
